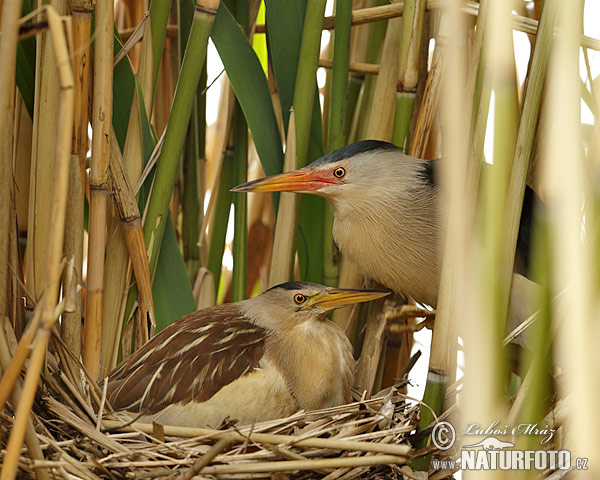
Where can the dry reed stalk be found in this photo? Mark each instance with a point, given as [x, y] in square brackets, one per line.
[282, 259]
[117, 273]
[8, 50]
[131, 224]
[375, 334]
[55, 243]
[381, 124]
[101, 126]
[427, 112]
[82, 21]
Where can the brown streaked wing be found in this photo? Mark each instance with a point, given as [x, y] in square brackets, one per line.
[190, 360]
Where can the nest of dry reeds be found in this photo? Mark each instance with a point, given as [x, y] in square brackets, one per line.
[81, 437]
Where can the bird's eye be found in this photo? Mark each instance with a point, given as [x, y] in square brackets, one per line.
[299, 298]
[339, 172]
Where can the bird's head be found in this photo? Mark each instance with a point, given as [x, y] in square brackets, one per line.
[350, 171]
[296, 302]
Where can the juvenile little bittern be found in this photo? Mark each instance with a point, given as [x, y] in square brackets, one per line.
[387, 216]
[254, 360]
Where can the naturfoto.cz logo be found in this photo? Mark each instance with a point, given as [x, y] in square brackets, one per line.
[491, 453]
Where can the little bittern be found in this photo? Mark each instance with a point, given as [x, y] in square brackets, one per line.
[253, 360]
[387, 216]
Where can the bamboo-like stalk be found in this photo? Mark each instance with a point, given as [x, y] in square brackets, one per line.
[240, 204]
[101, 126]
[70, 326]
[181, 110]
[55, 243]
[8, 50]
[380, 125]
[410, 46]
[304, 92]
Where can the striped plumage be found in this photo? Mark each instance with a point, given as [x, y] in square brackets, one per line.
[253, 360]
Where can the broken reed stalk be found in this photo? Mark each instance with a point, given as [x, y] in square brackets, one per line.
[70, 326]
[131, 225]
[99, 185]
[428, 110]
[116, 272]
[191, 69]
[55, 244]
[8, 53]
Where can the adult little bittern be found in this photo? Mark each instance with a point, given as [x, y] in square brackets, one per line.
[387, 218]
[254, 360]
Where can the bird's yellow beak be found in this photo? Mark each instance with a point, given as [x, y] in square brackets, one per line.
[303, 180]
[340, 297]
